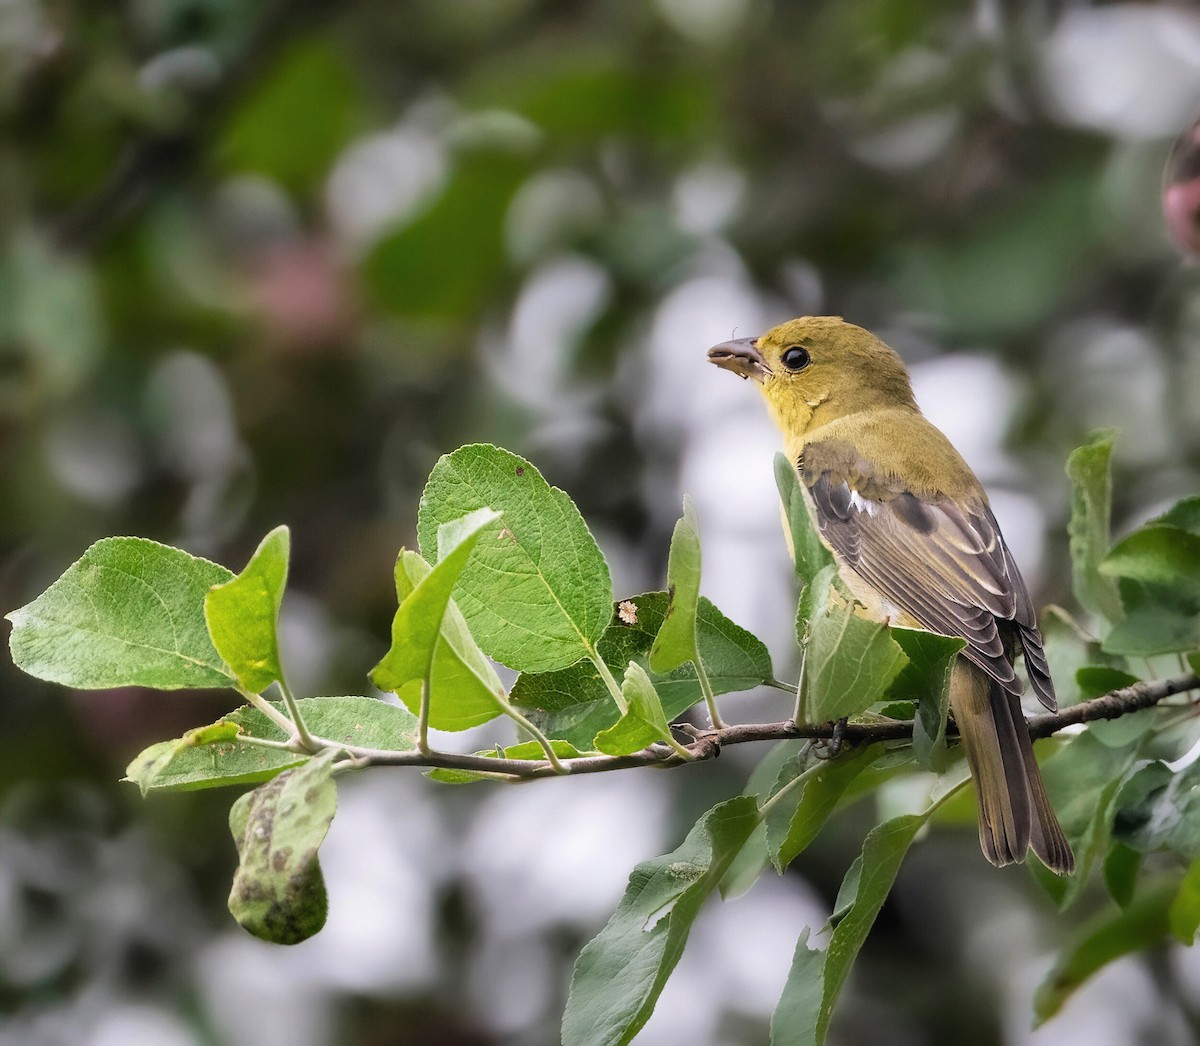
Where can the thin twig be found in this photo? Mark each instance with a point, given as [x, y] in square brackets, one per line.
[708, 744]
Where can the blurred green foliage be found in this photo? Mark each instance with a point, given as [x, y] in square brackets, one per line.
[263, 263]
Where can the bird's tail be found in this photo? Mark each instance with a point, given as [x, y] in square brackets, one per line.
[1014, 812]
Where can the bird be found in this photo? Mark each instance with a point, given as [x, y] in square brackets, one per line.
[916, 543]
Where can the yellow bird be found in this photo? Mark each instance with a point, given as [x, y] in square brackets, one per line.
[916, 543]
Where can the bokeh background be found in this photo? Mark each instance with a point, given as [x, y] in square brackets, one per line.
[262, 263]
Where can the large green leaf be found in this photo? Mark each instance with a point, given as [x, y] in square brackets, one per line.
[130, 612]
[537, 593]
[243, 614]
[850, 661]
[1091, 499]
[808, 551]
[574, 703]
[278, 891]
[676, 639]
[467, 690]
[621, 972]
[816, 978]
[211, 758]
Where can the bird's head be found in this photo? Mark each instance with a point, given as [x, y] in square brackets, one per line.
[817, 368]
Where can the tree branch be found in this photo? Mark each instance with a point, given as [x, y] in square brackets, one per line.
[708, 744]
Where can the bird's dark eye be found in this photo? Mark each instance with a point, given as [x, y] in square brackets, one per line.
[796, 358]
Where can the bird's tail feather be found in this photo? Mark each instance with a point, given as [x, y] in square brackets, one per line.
[1014, 812]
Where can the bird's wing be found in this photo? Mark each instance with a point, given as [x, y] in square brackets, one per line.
[943, 563]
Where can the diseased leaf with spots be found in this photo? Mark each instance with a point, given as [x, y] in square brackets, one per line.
[243, 614]
[536, 593]
[278, 891]
[129, 612]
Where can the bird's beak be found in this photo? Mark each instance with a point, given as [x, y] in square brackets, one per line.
[741, 357]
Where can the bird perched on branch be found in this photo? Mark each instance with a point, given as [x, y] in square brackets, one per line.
[916, 543]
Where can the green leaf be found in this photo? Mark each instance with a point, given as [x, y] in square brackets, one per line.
[1184, 912]
[643, 722]
[803, 1013]
[1157, 554]
[1184, 514]
[1159, 619]
[621, 972]
[849, 661]
[446, 261]
[1081, 781]
[153, 761]
[466, 692]
[808, 551]
[203, 760]
[1121, 867]
[676, 639]
[464, 688]
[794, 821]
[925, 679]
[537, 593]
[1091, 499]
[1158, 808]
[574, 703]
[130, 612]
[278, 891]
[1106, 938]
[530, 750]
[292, 126]
[243, 614]
[754, 859]
[1158, 568]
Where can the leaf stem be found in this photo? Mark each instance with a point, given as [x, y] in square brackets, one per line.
[299, 728]
[799, 710]
[706, 689]
[779, 684]
[270, 711]
[610, 681]
[538, 736]
[423, 718]
[800, 779]
[266, 742]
